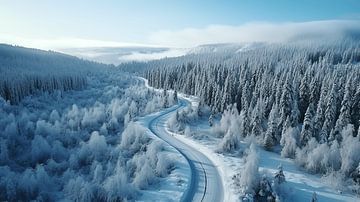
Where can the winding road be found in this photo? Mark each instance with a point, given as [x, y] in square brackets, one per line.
[205, 183]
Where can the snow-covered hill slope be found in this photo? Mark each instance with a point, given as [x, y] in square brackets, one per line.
[25, 71]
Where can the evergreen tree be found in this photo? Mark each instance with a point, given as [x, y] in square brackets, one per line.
[330, 114]
[355, 108]
[257, 119]
[314, 197]
[307, 128]
[265, 192]
[320, 112]
[211, 120]
[175, 96]
[165, 97]
[271, 134]
[279, 175]
[304, 93]
[286, 102]
[344, 117]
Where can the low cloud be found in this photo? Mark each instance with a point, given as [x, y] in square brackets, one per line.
[118, 55]
[256, 32]
[138, 56]
[63, 43]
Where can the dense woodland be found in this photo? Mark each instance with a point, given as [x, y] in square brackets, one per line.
[75, 145]
[26, 71]
[304, 97]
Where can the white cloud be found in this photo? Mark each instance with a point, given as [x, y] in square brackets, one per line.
[62, 43]
[254, 32]
[138, 56]
[191, 37]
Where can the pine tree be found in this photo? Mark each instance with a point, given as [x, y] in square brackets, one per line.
[286, 101]
[175, 96]
[265, 192]
[257, 119]
[355, 108]
[330, 114]
[304, 95]
[307, 129]
[320, 112]
[165, 98]
[226, 95]
[271, 134]
[211, 120]
[344, 117]
[279, 175]
[245, 97]
[177, 116]
[314, 197]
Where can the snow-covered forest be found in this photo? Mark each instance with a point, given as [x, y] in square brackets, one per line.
[211, 101]
[73, 143]
[27, 71]
[299, 99]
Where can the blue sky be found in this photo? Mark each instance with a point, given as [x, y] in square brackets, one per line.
[139, 21]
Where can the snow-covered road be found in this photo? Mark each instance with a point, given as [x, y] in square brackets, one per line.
[205, 183]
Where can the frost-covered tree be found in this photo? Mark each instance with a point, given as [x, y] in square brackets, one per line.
[165, 97]
[271, 134]
[257, 119]
[41, 71]
[330, 114]
[344, 117]
[249, 176]
[307, 128]
[314, 197]
[265, 192]
[310, 85]
[232, 127]
[304, 93]
[175, 96]
[279, 175]
[211, 120]
[286, 101]
[289, 142]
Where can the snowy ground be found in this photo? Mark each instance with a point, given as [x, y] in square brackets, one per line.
[300, 185]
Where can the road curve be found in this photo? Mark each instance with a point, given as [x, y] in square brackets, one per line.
[205, 183]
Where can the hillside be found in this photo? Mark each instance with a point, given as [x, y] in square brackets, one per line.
[25, 71]
[300, 100]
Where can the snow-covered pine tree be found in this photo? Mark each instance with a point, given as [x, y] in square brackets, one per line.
[165, 97]
[257, 119]
[314, 197]
[211, 120]
[330, 114]
[175, 96]
[344, 117]
[286, 102]
[307, 128]
[279, 175]
[304, 94]
[271, 134]
[320, 111]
